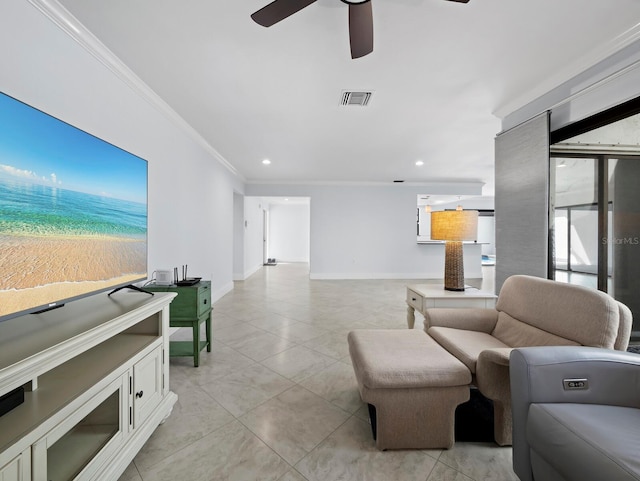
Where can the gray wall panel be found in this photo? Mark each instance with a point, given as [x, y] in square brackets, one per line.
[522, 199]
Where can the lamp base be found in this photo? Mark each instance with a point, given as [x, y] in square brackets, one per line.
[453, 266]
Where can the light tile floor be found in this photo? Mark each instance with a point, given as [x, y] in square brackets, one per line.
[276, 399]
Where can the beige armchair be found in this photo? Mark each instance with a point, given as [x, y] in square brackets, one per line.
[530, 311]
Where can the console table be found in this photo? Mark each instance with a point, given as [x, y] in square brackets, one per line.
[421, 297]
[191, 308]
[97, 386]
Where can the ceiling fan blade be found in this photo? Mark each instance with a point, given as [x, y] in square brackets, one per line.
[459, 1]
[360, 29]
[279, 10]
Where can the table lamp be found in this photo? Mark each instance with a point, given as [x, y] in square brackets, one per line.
[453, 227]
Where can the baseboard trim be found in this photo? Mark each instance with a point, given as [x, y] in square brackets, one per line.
[219, 293]
[244, 276]
[374, 275]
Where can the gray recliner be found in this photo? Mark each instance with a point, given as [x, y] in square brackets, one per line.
[576, 414]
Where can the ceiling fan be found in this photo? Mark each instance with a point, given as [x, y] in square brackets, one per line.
[360, 20]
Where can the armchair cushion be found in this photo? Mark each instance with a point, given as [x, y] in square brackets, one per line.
[465, 345]
[414, 363]
[543, 303]
[516, 333]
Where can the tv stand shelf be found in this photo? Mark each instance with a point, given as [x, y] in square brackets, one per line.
[78, 364]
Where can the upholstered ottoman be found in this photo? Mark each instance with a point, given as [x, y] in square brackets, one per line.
[412, 386]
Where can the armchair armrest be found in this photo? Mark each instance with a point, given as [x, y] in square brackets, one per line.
[497, 355]
[471, 319]
[542, 375]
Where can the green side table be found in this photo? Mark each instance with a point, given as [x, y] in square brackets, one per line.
[190, 308]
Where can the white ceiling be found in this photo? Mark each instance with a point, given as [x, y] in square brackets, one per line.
[439, 71]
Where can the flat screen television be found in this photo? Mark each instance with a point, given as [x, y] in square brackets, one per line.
[73, 212]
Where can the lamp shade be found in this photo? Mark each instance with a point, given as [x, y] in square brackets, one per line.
[454, 225]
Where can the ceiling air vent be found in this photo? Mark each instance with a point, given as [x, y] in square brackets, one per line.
[355, 98]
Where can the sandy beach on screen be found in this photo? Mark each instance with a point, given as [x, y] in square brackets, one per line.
[11, 301]
[44, 262]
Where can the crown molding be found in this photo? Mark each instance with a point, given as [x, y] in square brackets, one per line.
[353, 183]
[61, 17]
[573, 69]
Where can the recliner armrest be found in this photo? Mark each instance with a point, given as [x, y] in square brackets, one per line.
[613, 377]
[471, 319]
[544, 375]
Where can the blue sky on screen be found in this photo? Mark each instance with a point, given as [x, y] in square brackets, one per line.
[39, 148]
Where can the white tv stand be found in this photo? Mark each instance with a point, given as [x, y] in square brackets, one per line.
[96, 376]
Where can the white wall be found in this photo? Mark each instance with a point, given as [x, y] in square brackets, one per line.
[238, 237]
[487, 234]
[289, 229]
[369, 232]
[190, 192]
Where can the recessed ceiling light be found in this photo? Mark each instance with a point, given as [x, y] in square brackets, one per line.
[266, 161]
[419, 163]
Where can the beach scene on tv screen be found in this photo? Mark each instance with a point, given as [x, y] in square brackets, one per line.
[73, 211]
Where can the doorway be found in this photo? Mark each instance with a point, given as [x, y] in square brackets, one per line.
[265, 238]
[594, 218]
[594, 204]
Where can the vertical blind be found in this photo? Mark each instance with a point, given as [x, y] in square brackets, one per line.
[522, 199]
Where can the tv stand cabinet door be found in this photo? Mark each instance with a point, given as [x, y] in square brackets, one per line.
[18, 469]
[147, 386]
